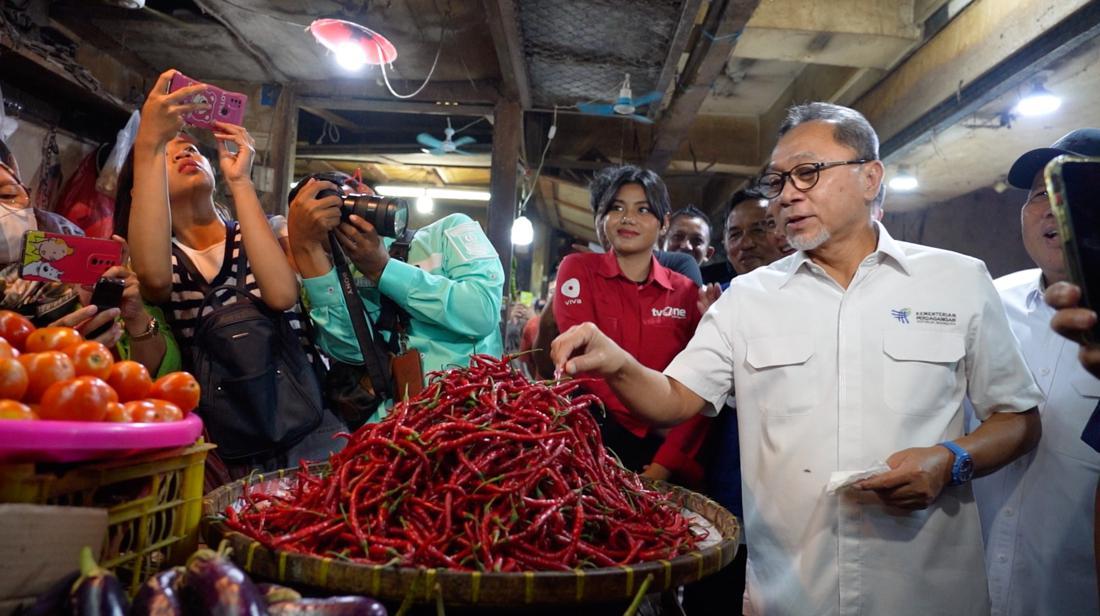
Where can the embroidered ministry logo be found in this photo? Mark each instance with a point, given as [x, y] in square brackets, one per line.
[901, 315]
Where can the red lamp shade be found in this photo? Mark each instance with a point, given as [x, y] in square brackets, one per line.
[337, 34]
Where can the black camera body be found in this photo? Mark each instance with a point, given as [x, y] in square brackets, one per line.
[388, 215]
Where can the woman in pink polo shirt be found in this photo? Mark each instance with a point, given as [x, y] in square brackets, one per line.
[646, 308]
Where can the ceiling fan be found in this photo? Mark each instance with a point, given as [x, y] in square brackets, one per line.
[449, 145]
[623, 106]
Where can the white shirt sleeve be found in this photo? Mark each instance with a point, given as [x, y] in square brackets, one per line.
[998, 379]
[705, 366]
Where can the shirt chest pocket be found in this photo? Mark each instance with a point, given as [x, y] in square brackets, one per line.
[920, 370]
[783, 374]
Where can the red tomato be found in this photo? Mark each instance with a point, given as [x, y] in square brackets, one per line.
[130, 379]
[118, 413]
[43, 370]
[153, 411]
[179, 388]
[84, 398]
[10, 409]
[52, 339]
[7, 350]
[13, 379]
[15, 328]
[91, 358]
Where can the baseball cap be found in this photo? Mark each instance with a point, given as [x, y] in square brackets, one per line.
[1083, 142]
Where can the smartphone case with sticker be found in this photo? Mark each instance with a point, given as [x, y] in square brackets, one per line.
[54, 257]
[225, 106]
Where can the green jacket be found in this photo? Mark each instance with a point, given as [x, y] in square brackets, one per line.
[452, 287]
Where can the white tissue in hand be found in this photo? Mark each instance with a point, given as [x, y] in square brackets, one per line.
[842, 479]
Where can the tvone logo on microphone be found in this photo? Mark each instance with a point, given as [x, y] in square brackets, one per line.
[671, 312]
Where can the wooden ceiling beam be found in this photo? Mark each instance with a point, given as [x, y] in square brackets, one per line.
[676, 49]
[725, 20]
[394, 106]
[990, 48]
[504, 28]
[860, 33]
[332, 118]
[476, 92]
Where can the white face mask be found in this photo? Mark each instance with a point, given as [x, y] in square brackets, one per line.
[14, 222]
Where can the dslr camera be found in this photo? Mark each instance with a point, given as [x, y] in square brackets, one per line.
[388, 215]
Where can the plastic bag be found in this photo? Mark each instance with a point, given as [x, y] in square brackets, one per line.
[108, 176]
[85, 206]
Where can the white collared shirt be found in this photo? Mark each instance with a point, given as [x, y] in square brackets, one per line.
[833, 379]
[1037, 512]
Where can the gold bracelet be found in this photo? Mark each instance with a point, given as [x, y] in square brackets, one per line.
[148, 333]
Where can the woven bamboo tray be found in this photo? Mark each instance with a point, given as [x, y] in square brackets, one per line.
[465, 588]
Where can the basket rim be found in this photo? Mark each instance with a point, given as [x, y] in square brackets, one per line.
[282, 565]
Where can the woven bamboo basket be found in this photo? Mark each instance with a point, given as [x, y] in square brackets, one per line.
[466, 588]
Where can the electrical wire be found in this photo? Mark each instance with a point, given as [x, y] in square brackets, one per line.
[435, 62]
[468, 125]
[538, 172]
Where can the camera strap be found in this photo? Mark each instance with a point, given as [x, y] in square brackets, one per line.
[374, 356]
[393, 317]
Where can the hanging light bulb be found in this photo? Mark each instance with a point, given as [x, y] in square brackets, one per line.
[350, 56]
[904, 180]
[523, 233]
[1040, 101]
[353, 45]
[425, 204]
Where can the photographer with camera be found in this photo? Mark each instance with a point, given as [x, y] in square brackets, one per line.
[440, 300]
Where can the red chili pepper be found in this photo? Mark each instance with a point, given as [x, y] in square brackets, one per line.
[482, 470]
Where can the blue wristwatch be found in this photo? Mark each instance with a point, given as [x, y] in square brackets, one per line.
[962, 470]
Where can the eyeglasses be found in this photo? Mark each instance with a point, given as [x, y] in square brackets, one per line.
[1039, 198]
[803, 177]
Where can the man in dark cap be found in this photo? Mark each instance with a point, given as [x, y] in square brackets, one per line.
[1038, 512]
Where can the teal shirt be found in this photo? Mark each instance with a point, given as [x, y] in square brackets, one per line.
[452, 287]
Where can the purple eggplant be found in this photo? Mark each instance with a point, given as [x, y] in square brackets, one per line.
[214, 585]
[97, 592]
[333, 606]
[160, 595]
[273, 593]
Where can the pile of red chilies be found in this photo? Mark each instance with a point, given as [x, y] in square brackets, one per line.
[483, 471]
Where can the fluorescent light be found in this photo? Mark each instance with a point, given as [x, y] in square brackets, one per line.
[425, 205]
[1039, 101]
[350, 55]
[452, 194]
[400, 191]
[458, 195]
[522, 231]
[904, 181]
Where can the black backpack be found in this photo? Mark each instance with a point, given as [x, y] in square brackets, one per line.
[260, 392]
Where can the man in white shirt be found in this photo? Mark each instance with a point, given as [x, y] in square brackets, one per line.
[1037, 513]
[855, 349]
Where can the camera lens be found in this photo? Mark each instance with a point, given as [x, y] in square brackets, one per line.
[388, 215]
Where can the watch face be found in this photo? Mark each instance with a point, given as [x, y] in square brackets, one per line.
[966, 470]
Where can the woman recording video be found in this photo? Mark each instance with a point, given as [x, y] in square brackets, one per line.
[194, 262]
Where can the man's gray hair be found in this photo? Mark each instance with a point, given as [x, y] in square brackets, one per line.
[850, 128]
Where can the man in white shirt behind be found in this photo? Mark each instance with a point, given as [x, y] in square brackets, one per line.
[1037, 513]
[855, 349]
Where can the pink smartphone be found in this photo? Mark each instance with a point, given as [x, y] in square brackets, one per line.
[225, 106]
[54, 257]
